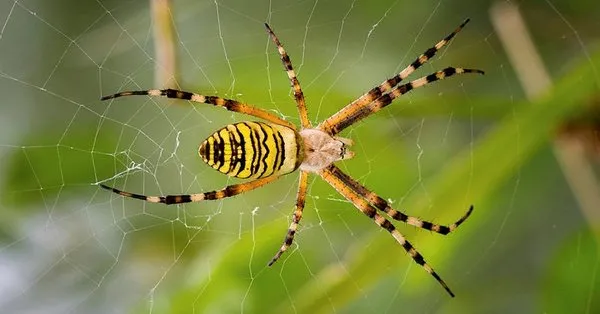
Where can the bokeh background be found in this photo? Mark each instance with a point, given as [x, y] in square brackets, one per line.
[522, 146]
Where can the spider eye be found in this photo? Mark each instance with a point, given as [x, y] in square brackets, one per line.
[343, 150]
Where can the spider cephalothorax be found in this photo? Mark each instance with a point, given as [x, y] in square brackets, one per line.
[264, 151]
[322, 149]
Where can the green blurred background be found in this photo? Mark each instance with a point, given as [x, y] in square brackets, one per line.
[531, 245]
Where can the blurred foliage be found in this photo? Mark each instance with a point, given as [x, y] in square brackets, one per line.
[572, 282]
[68, 246]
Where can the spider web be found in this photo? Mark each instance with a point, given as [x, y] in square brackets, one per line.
[68, 246]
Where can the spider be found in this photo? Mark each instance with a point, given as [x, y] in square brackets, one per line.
[265, 151]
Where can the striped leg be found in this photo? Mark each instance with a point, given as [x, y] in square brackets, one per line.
[332, 177]
[385, 86]
[300, 200]
[231, 105]
[384, 206]
[229, 191]
[287, 64]
[396, 92]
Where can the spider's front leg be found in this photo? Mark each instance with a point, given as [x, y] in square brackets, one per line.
[228, 104]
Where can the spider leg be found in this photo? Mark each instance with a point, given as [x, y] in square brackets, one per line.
[228, 191]
[287, 64]
[300, 200]
[384, 206]
[396, 92]
[337, 182]
[363, 101]
[229, 104]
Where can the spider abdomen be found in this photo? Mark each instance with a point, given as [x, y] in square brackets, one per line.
[252, 150]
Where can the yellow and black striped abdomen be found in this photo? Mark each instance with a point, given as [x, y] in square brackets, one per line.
[252, 150]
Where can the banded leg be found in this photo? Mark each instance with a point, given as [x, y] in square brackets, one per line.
[287, 64]
[228, 191]
[229, 104]
[328, 174]
[396, 92]
[385, 86]
[384, 206]
[300, 200]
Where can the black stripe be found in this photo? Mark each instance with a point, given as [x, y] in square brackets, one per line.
[287, 63]
[361, 190]
[443, 230]
[215, 153]
[380, 203]
[264, 155]
[172, 93]
[221, 149]
[216, 150]
[358, 115]
[407, 246]
[211, 100]
[403, 89]
[212, 195]
[289, 237]
[400, 216]
[242, 159]
[261, 141]
[255, 149]
[230, 104]
[387, 225]
[374, 93]
[175, 199]
[394, 80]
[122, 193]
[136, 196]
[431, 78]
[233, 160]
[419, 258]
[430, 53]
[380, 102]
[231, 190]
[282, 151]
[202, 150]
[449, 71]
[298, 95]
[277, 152]
[426, 225]
[227, 192]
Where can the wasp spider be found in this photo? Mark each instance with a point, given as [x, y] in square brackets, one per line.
[264, 151]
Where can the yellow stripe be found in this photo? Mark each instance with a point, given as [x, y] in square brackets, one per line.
[209, 157]
[226, 166]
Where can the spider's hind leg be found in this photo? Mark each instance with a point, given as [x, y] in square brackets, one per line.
[332, 176]
[228, 191]
[382, 205]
